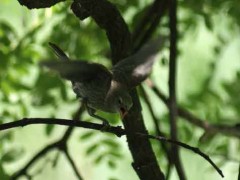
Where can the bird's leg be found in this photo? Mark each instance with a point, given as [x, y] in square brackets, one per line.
[92, 111]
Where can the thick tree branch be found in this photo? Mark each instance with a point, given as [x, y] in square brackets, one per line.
[107, 17]
[30, 4]
[172, 86]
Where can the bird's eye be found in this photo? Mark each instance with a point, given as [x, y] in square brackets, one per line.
[120, 100]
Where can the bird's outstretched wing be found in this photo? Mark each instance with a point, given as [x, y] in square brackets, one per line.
[79, 71]
[76, 71]
[135, 69]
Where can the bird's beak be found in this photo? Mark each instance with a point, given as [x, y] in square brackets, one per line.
[123, 112]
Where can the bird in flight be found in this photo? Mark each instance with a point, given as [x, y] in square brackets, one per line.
[102, 89]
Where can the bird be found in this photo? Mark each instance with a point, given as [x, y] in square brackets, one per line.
[105, 89]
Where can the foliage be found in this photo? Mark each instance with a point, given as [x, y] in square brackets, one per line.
[208, 84]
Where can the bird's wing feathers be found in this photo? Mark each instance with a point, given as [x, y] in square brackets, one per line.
[134, 69]
[131, 70]
[76, 71]
[79, 71]
[58, 51]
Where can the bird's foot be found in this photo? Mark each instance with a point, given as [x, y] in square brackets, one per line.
[105, 125]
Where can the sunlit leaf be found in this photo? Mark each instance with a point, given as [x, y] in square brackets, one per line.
[93, 148]
[87, 135]
[3, 174]
[11, 155]
[49, 129]
[111, 164]
[110, 142]
[99, 158]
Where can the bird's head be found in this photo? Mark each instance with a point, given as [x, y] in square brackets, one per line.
[119, 99]
[123, 103]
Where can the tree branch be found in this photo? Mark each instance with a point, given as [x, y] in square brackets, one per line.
[30, 4]
[228, 130]
[239, 172]
[156, 124]
[186, 146]
[36, 157]
[72, 163]
[56, 145]
[107, 17]
[147, 18]
[172, 86]
[62, 145]
[149, 23]
[117, 130]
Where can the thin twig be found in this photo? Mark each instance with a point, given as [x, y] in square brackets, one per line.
[39, 170]
[117, 130]
[61, 145]
[145, 21]
[173, 70]
[186, 146]
[156, 124]
[72, 163]
[239, 172]
[229, 130]
[173, 113]
[169, 170]
[159, 7]
[57, 144]
[36, 157]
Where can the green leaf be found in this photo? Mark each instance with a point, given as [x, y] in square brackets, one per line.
[110, 142]
[87, 135]
[111, 164]
[115, 154]
[113, 178]
[99, 158]
[93, 148]
[3, 174]
[63, 91]
[208, 22]
[12, 155]
[6, 136]
[49, 129]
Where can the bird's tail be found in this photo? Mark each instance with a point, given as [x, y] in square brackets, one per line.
[59, 52]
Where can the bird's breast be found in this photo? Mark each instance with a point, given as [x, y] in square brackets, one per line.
[96, 96]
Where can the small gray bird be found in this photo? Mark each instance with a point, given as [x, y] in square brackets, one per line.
[103, 89]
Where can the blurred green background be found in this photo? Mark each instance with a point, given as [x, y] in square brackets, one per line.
[208, 86]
